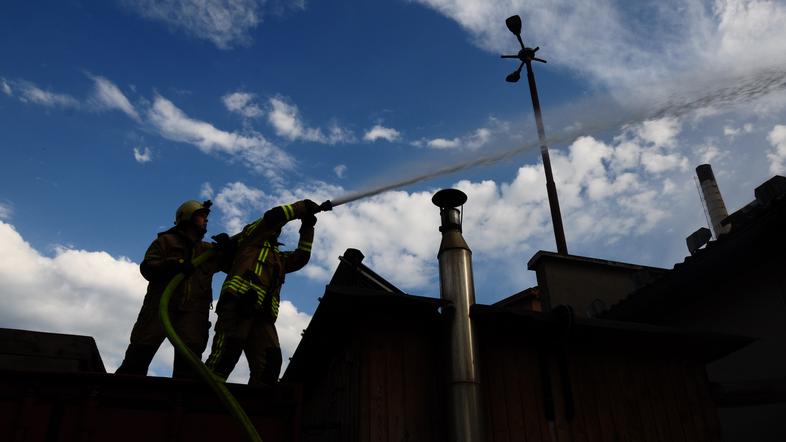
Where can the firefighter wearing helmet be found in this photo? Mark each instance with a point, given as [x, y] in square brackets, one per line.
[250, 296]
[169, 254]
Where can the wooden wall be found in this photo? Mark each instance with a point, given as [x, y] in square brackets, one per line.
[382, 385]
[616, 396]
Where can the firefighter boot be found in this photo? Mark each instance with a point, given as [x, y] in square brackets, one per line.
[137, 359]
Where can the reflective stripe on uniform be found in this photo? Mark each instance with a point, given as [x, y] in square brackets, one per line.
[249, 229]
[218, 347]
[274, 307]
[289, 212]
[262, 258]
[260, 297]
[241, 286]
[304, 246]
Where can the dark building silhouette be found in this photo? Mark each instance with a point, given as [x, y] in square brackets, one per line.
[372, 366]
[53, 387]
[597, 351]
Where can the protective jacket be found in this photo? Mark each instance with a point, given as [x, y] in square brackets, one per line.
[254, 279]
[162, 261]
[188, 308]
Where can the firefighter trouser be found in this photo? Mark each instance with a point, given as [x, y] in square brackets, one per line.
[148, 333]
[256, 336]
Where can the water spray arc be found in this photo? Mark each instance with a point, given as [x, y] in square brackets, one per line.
[527, 56]
[737, 91]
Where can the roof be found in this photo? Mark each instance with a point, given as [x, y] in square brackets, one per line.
[544, 255]
[757, 234]
[356, 294]
[625, 337]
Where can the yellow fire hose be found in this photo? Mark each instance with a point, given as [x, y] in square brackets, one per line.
[219, 388]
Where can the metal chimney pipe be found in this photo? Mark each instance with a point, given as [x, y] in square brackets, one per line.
[465, 415]
[713, 200]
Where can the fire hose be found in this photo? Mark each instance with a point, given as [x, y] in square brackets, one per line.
[219, 388]
[224, 395]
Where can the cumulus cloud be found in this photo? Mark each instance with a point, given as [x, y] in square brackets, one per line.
[108, 96]
[95, 294]
[242, 103]
[287, 122]
[76, 291]
[251, 148]
[30, 93]
[777, 156]
[225, 23]
[608, 192]
[380, 132]
[143, 155]
[240, 204]
[340, 170]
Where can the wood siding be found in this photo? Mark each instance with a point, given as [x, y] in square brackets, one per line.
[381, 386]
[616, 396]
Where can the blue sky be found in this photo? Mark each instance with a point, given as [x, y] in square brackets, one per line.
[113, 113]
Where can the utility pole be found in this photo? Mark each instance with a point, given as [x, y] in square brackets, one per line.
[527, 56]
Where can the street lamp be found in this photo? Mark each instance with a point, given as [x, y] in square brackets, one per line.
[527, 56]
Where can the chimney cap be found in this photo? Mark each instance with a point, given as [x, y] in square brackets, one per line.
[704, 172]
[447, 198]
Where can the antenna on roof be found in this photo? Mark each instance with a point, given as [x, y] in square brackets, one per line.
[527, 56]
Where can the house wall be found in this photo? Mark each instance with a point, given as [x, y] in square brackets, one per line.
[616, 396]
[579, 283]
[382, 384]
[750, 302]
[66, 407]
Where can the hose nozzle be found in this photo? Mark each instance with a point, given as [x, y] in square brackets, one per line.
[326, 206]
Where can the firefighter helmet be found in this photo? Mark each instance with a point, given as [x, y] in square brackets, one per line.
[189, 208]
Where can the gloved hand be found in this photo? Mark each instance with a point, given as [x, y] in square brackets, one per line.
[222, 240]
[308, 221]
[311, 208]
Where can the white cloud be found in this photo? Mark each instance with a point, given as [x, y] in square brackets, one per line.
[340, 170]
[242, 103]
[285, 119]
[708, 153]
[380, 132]
[108, 96]
[207, 191]
[732, 132]
[225, 23]
[444, 143]
[5, 87]
[30, 93]
[94, 294]
[777, 156]
[252, 148]
[76, 291]
[638, 49]
[240, 204]
[474, 140]
[6, 211]
[608, 192]
[143, 155]
[661, 132]
[479, 138]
